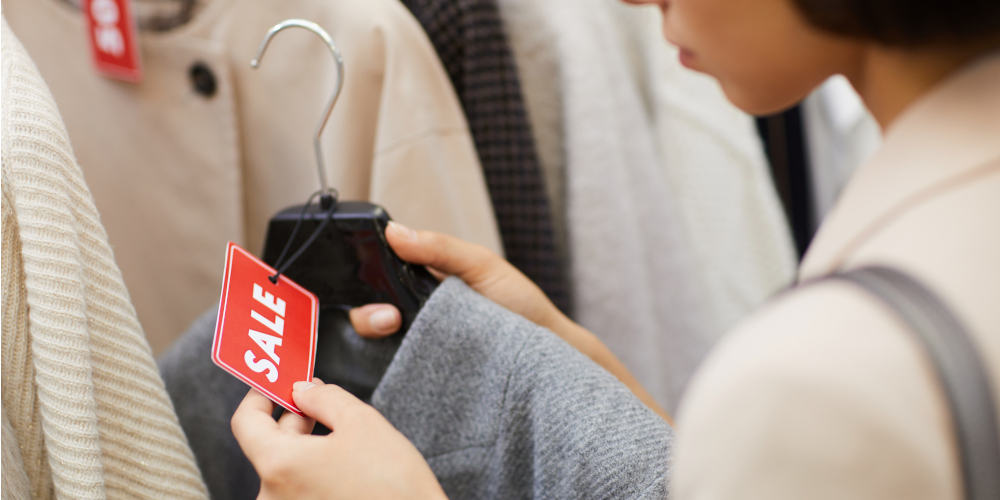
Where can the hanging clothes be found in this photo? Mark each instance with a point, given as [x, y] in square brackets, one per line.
[717, 170]
[469, 37]
[841, 135]
[85, 414]
[206, 149]
[813, 149]
[673, 226]
[788, 149]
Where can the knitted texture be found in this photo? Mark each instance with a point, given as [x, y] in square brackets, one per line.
[107, 426]
[15, 480]
[469, 38]
[502, 408]
[20, 405]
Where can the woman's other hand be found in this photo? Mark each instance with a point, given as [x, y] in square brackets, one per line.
[363, 456]
[481, 269]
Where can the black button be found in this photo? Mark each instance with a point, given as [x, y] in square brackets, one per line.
[203, 79]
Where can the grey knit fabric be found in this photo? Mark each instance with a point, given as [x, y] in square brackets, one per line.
[205, 397]
[502, 408]
[499, 407]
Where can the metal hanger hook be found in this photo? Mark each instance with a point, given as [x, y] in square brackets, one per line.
[315, 28]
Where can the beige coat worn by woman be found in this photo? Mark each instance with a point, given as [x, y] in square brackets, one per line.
[825, 393]
[176, 174]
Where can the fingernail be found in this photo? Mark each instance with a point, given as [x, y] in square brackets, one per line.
[302, 386]
[403, 230]
[383, 320]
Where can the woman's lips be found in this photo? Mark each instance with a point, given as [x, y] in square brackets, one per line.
[687, 58]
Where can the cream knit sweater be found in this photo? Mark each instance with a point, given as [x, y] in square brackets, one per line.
[85, 414]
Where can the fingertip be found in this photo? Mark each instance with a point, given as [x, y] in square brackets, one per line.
[303, 386]
[324, 403]
[403, 232]
[376, 320]
[385, 320]
[408, 244]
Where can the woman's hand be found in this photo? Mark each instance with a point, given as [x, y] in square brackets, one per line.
[481, 269]
[498, 280]
[363, 456]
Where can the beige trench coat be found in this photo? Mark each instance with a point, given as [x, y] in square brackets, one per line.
[824, 393]
[176, 174]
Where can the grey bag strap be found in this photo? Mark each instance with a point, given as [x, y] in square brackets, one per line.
[960, 370]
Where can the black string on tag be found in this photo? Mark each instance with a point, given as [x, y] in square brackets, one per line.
[327, 201]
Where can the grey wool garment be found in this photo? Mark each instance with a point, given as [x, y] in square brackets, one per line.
[498, 406]
[205, 397]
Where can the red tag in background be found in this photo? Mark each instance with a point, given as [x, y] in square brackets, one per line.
[266, 333]
[114, 39]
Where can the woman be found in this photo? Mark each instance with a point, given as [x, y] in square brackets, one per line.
[823, 392]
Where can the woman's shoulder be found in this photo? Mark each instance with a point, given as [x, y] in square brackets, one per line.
[821, 390]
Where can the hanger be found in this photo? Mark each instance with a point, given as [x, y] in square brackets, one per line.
[339, 59]
[341, 253]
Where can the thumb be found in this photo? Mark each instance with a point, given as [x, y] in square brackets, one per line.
[328, 404]
[376, 321]
[444, 253]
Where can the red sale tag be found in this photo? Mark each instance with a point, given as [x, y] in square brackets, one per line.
[113, 37]
[266, 332]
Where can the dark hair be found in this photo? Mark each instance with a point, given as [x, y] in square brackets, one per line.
[906, 22]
